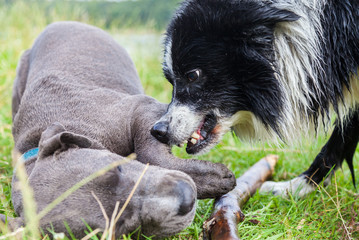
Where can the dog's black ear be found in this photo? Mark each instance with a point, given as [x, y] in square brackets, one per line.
[56, 138]
[272, 15]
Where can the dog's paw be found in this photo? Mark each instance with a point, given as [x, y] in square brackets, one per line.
[297, 186]
[215, 181]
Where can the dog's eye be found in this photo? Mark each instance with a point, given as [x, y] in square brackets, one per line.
[193, 75]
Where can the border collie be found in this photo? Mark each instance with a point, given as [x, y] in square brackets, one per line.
[268, 70]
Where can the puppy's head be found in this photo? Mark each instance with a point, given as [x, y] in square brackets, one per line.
[163, 203]
[220, 60]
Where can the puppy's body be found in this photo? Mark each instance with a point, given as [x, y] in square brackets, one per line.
[269, 70]
[78, 98]
[77, 82]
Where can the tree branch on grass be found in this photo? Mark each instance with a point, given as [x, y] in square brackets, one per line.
[222, 225]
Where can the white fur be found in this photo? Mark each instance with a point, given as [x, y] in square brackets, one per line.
[297, 186]
[297, 48]
[183, 121]
[249, 128]
[168, 57]
[351, 96]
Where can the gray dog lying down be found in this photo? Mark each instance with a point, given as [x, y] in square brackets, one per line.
[78, 99]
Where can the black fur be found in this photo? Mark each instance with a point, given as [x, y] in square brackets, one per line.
[341, 146]
[238, 68]
[231, 42]
[340, 50]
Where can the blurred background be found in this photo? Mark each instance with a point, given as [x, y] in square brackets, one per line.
[139, 25]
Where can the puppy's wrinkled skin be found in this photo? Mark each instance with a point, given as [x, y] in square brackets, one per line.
[77, 97]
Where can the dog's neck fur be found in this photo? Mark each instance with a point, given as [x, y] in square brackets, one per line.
[298, 49]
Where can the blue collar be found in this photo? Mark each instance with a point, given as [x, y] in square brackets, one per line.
[29, 154]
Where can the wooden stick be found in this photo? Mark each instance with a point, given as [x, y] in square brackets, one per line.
[222, 225]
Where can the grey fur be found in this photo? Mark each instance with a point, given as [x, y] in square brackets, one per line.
[78, 97]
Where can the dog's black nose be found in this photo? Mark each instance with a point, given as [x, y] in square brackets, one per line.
[159, 131]
[187, 197]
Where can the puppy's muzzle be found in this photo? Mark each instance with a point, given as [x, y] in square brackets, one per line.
[160, 131]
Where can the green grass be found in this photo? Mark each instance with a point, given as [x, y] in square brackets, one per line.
[322, 215]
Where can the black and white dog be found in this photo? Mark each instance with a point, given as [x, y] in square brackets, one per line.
[268, 70]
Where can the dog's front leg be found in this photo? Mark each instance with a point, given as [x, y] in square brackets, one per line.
[340, 146]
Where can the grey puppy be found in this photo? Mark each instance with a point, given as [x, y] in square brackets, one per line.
[78, 99]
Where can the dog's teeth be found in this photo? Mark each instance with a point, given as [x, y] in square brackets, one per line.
[184, 142]
[195, 135]
[194, 141]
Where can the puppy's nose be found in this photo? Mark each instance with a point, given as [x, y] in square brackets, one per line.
[187, 197]
[160, 131]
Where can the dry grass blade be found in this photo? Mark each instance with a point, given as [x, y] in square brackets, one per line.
[104, 215]
[84, 181]
[3, 228]
[32, 222]
[336, 205]
[112, 223]
[91, 234]
[254, 149]
[131, 194]
[32, 219]
[12, 234]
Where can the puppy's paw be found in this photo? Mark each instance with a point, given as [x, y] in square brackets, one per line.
[215, 181]
[298, 186]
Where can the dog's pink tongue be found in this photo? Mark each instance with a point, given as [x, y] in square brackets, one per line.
[199, 131]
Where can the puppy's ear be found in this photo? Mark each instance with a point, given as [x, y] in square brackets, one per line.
[56, 138]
